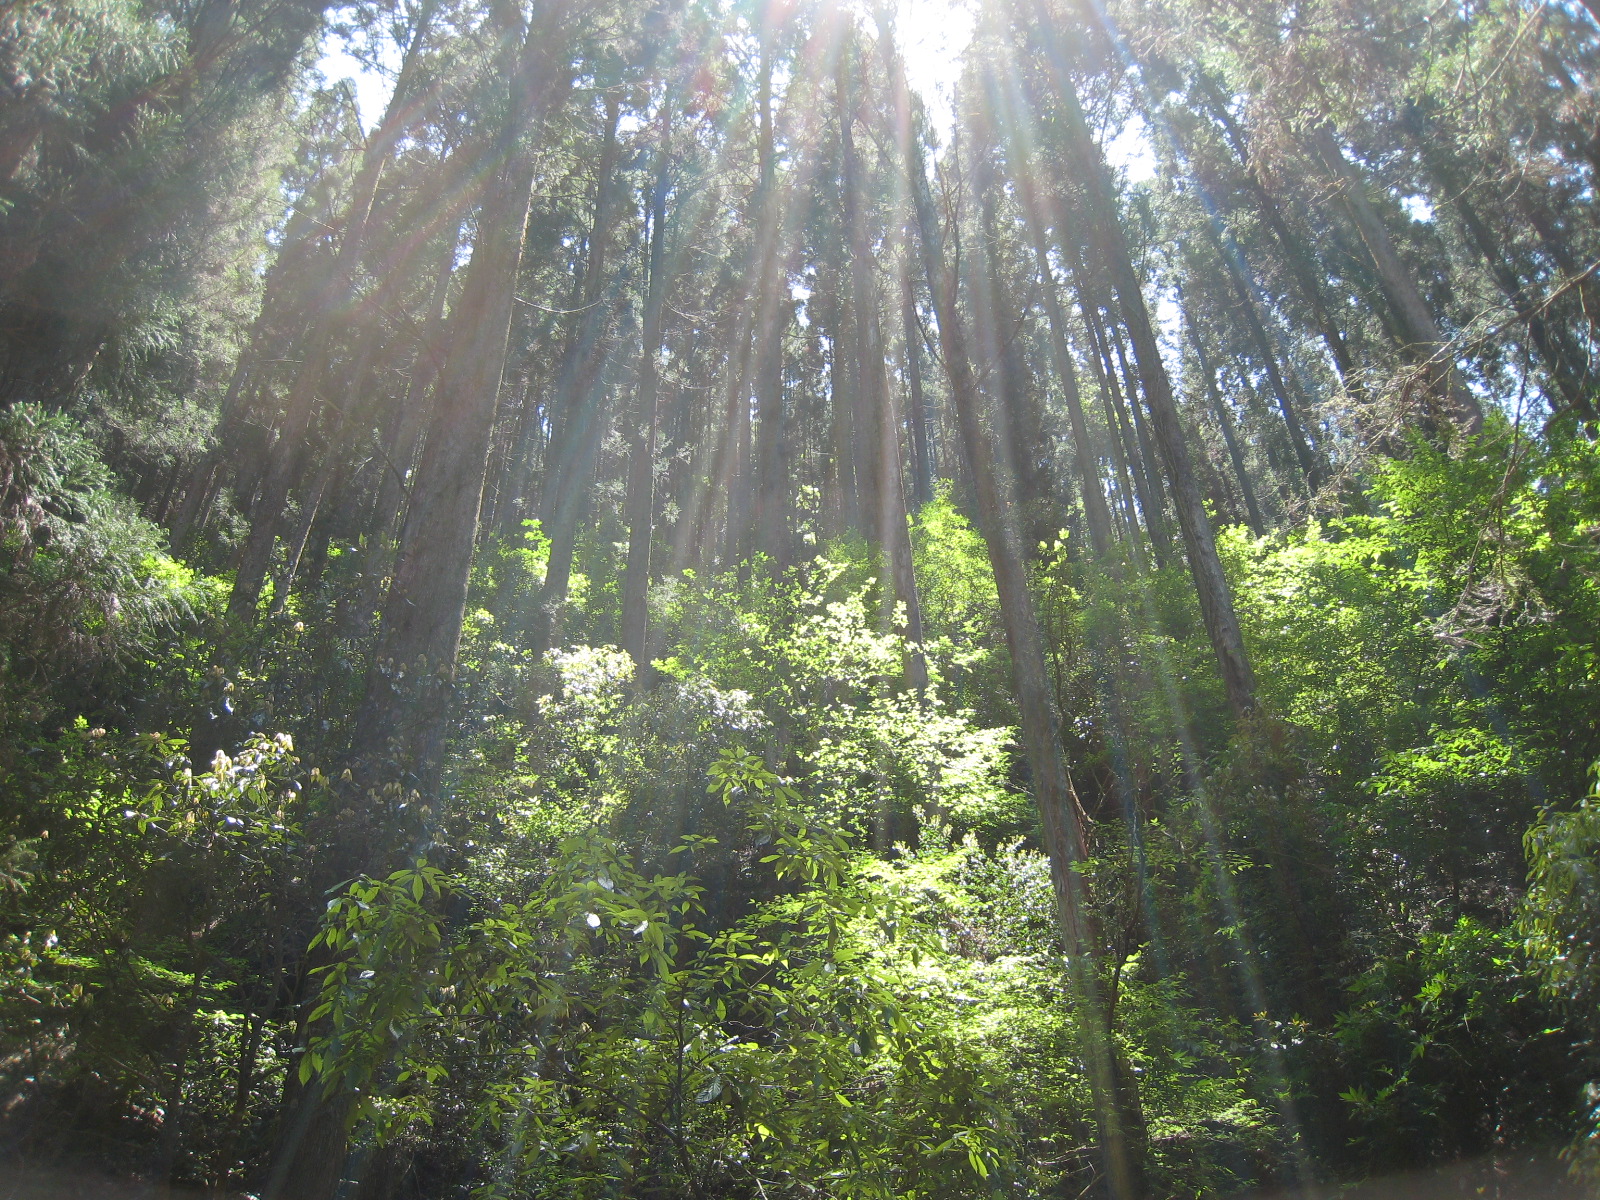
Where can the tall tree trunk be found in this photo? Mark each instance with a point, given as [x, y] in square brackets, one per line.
[640, 501]
[409, 685]
[1229, 437]
[920, 420]
[770, 490]
[1118, 1120]
[580, 409]
[1245, 304]
[578, 357]
[1295, 252]
[330, 318]
[1564, 372]
[1130, 488]
[399, 448]
[1211, 586]
[843, 383]
[999, 324]
[1096, 514]
[878, 433]
[1423, 340]
[1135, 450]
[279, 291]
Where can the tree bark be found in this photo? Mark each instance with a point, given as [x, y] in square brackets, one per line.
[771, 485]
[330, 318]
[1120, 1126]
[1295, 253]
[920, 421]
[403, 718]
[1096, 515]
[1564, 373]
[1422, 338]
[578, 405]
[1211, 586]
[640, 500]
[1245, 303]
[1229, 437]
[878, 433]
[1146, 484]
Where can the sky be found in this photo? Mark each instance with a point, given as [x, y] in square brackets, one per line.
[933, 35]
[372, 87]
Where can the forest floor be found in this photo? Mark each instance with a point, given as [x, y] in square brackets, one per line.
[1525, 1176]
[1529, 1175]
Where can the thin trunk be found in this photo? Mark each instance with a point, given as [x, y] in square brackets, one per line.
[735, 534]
[1245, 303]
[329, 318]
[569, 467]
[1211, 586]
[843, 383]
[1295, 252]
[1566, 374]
[640, 500]
[771, 484]
[262, 345]
[350, 422]
[1229, 437]
[1423, 341]
[1147, 485]
[920, 420]
[1059, 810]
[1128, 490]
[310, 504]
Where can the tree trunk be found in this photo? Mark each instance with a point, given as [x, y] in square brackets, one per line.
[1565, 374]
[409, 684]
[878, 433]
[1211, 586]
[1130, 490]
[1096, 514]
[570, 405]
[920, 421]
[771, 485]
[262, 345]
[1423, 340]
[1059, 810]
[329, 319]
[1245, 303]
[578, 406]
[1135, 450]
[1295, 253]
[1229, 437]
[640, 500]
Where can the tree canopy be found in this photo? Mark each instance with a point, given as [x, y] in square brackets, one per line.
[667, 616]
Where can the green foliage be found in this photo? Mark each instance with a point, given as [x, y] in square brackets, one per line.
[619, 1041]
[84, 580]
[145, 937]
[1447, 1044]
[1559, 923]
[563, 966]
[1562, 905]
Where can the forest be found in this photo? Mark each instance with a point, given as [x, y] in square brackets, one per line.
[688, 600]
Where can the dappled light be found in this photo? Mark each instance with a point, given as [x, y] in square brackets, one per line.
[796, 599]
